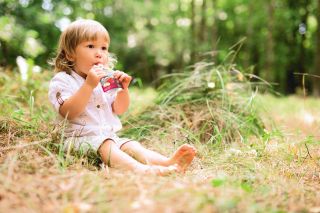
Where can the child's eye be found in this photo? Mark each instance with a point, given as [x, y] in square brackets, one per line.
[104, 48]
[90, 46]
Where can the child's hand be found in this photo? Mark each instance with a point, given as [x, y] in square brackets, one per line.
[124, 78]
[94, 75]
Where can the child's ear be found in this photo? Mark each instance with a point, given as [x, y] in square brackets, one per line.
[69, 57]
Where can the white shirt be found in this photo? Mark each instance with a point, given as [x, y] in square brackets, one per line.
[97, 119]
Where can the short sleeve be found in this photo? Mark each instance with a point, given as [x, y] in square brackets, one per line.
[60, 89]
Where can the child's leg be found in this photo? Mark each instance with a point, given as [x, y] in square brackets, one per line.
[183, 156]
[113, 156]
[143, 155]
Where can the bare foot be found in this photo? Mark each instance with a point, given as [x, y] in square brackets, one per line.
[157, 170]
[183, 157]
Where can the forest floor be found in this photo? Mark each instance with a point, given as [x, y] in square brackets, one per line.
[282, 174]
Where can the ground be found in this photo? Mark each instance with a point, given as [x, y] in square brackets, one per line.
[281, 173]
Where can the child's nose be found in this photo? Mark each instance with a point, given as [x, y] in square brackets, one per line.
[99, 54]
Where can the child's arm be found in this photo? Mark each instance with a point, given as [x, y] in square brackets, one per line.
[75, 105]
[122, 101]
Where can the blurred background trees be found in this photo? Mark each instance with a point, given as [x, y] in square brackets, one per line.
[275, 39]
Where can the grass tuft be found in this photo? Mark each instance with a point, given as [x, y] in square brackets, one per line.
[206, 103]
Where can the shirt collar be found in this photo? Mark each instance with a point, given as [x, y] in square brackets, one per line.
[77, 76]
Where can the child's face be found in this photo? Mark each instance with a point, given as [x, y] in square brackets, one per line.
[90, 53]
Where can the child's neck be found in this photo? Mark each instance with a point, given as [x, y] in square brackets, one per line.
[81, 74]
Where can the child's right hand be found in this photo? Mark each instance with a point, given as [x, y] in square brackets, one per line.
[94, 75]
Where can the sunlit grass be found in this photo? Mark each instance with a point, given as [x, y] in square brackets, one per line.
[204, 104]
[275, 171]
[295, 114]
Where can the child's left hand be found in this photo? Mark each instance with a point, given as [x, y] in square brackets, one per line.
[124, 78]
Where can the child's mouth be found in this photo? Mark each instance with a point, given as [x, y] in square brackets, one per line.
[98, 64]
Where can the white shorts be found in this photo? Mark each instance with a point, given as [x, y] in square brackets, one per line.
[87, 143]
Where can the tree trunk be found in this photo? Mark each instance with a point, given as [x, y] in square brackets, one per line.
[251, 44]
[202, 34]
[296, 64]
[193, 32]
[4, 50]
[214, 30]
[316, 84]
[248, 45]
[302, 52]
[176, 64]
[269, 73]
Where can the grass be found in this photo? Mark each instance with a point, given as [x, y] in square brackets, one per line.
[205, 103]
[275, 171]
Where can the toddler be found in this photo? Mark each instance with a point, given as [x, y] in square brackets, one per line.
[92, 123]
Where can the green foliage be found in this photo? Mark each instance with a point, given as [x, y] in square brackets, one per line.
[152, 38]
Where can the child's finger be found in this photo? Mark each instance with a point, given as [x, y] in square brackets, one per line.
[123, 76]
[118, 74]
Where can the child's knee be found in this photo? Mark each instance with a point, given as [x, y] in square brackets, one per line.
[105, 145]
[131, 146]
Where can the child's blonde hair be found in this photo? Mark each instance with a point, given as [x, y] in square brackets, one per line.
[77, 32]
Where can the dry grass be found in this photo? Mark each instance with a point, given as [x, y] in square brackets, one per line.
[219, 180]
[279, 172]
